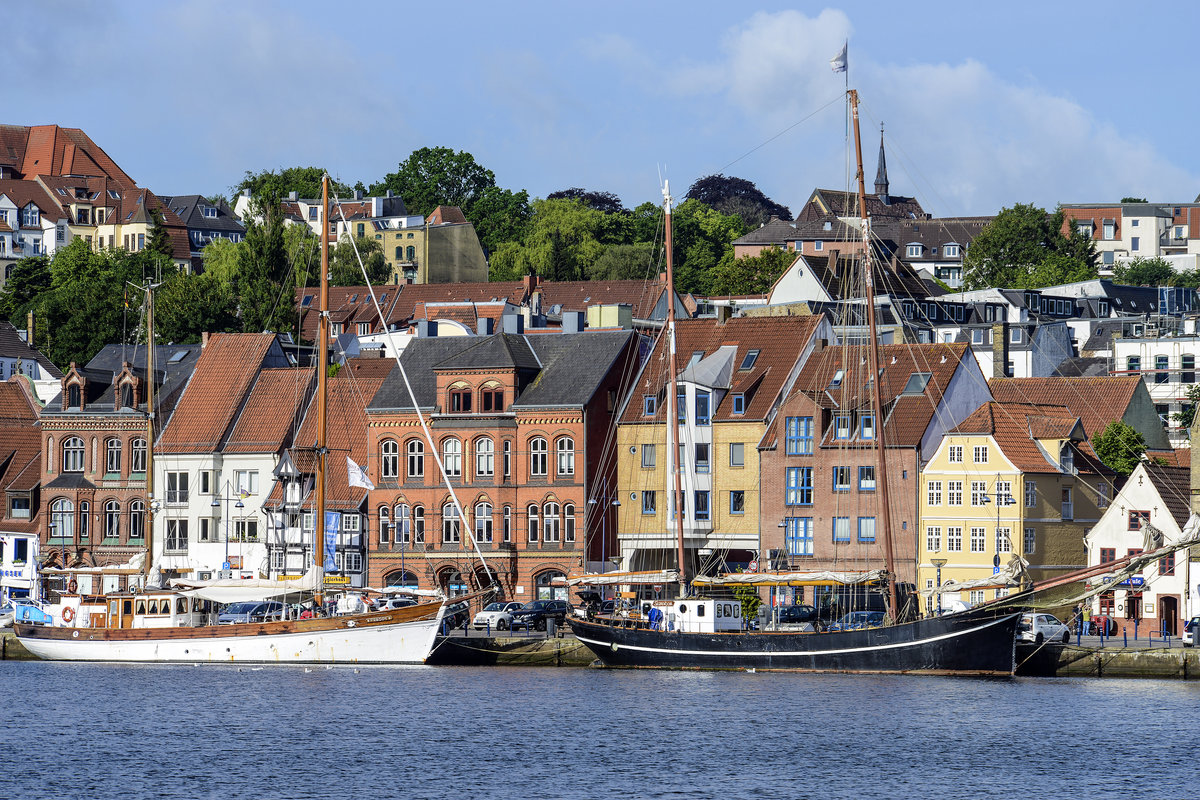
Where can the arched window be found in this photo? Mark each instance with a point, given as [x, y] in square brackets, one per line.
[507, 457]
[569, 523]
[551, 522]
[112, 457]
[537, 456]
[460, 398]
[452, 582]
[112, 520]
[137, 460]
[403, 523]
[416, 459]
[74, 397]
[491, 398]
[485, 458]
[50, 451]
[507, 531]
[137, 520]
[418, 525]
[412, 252]
[399, 252]
[72, 460]
[389, 459]
[532, 511]
[400, 577]
[1187, 367]
[452, 457]
[62, 520]
[546, 590]
[483, 522]
[85, 520]
[385, 525]
[451, 524]
[565, 461]
[127, 395]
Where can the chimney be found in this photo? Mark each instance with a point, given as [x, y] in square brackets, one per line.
[29, 329]
[204, 340]
[484, 326]
[1000, 350]
[426, 328]
[358, 194]
[723, 314]
[513, 323]
[572, 322]
[530, 283]
[293, 195]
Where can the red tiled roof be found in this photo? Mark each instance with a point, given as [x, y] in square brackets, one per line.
[51, 150]
[1096, 400]
[1016, 428]
[272, 411]
[779, 340]
[578, 295]
[347, 305]
[24, 192]
[371, 366]
[20, 447]
[345, 435]
[215, 391]
[443, 215]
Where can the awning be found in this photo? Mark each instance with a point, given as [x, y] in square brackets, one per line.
[234, 590]
[619, 578]
[824, 578]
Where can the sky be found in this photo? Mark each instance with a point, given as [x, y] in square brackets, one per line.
[983, 105]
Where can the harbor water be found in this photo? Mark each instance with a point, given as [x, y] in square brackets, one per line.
[99, 730]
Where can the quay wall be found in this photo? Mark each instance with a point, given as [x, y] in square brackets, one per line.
[1057, 660]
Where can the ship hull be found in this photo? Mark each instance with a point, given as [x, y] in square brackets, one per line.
[401, 636]
[957, 644]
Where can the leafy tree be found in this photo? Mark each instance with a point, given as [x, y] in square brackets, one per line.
[1024, 247]
[645, 223]
[750, 274]
[624, 262]
[563, 242]
[304, 181]
[1146, 272]
[188, 305]
[343, 263]
[434, 176]
[1133, 200]
[737, 196]
[748, 595]
[1119, 447]
[1187, 415]
[160, 238]
[702, 237]
[28, 279]
[265, 302]
[606, 202]
[499, 215]
[221, 261]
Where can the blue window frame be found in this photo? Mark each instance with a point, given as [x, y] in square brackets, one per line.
[841, 529]
[702, 408]
[739, 404]
[799, 439]
[841, 479]
[866, 529]
[702, 510]
[799, 486]
[681, 406]
[842, 427]
[799, 536]
[866, 427]
[866, 479]
[649, 405]
[737, 502]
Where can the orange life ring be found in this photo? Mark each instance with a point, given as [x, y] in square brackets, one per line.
[72, 586]
[68, 615]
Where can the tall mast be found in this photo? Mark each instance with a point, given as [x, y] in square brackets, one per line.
[322, 370]
[148, 531]
[885, 513]
[673, 397]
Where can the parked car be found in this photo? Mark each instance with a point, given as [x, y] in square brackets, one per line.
[388, 603]
[534, 614]
[1039, 628]
[1191, 629]
[1102, 624]
[253, 611]
[796, 615]
[498, 615]
[457, 615]
[857, 620]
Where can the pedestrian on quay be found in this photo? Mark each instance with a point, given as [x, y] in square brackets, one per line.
[1079, 617]
[1087, 619]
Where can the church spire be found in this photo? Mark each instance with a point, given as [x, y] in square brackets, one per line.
[881, 181]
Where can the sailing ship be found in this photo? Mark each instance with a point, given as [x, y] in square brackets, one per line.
[174, 624]
[710, 633]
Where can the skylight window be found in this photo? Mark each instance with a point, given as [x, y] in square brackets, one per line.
[353, 299]
[837, 379]
[62, 191]
[307, 301]
[113, 194]
[696, 356]
[749, 360]
[917, 383]
[177, 356]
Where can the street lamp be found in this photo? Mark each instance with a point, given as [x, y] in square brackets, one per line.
[939, 563]
[216, 503]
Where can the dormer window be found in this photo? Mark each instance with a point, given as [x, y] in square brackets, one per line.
[126, 395]
[74, 397]
[210, 211]
[950, 251]
[913, 250]
[739, 404]
[460, 400]
[1067, 458]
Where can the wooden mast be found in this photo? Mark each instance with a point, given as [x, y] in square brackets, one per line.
[673, 397]
[885, 514]
[322, 370]
[148, 531]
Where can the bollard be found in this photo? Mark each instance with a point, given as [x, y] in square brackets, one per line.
[489, 629]
[1125, 634]
[1135, 627]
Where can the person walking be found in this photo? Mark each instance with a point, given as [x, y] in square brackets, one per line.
[1087, 619]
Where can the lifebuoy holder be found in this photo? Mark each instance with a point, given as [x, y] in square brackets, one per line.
[68, 614]
[72, 586]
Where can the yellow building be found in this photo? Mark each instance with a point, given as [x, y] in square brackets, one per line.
[1010, 479]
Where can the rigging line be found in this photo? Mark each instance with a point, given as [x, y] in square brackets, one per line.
[795, 124]
[411, 395]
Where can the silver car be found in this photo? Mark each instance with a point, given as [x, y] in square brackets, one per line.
[1040, 628]
[498, 615]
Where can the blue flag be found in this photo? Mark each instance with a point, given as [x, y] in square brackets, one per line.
[333, 522]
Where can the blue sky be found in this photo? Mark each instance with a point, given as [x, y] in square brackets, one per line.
[985, 105]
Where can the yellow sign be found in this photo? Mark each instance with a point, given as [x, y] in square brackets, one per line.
[289, 577]
[337, 580]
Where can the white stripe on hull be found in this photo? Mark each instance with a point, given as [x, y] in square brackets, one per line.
[403, 643]
[788, 653]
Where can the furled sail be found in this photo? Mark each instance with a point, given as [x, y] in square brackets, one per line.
[822, 578]
[236, 590]
[620, 578]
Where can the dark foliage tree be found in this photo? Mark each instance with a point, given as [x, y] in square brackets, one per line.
[30, 277]
[606, 202]
[343, 263]
[304, 181]
[1146, 272]
[750, 274]
[160, 238]
[1119, 447]
[738, 196]
[264, 293]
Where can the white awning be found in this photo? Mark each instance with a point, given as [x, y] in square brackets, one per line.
[620, 578]
[234, 590]
[789, 578]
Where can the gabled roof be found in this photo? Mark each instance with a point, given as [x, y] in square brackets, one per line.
[1016, 428]
[825, 202]
[190, 210]
[13, 346]
[573, 365]
[272, 411]
[502, 351]
[51, 150]
[778, 340]
[446, 215]
[1174, 485]
[840, 273]
[1097, 401]
[642, 296]
[22, 193]
[216, 391]
[20, 449]
[345, 435]
[173, 364]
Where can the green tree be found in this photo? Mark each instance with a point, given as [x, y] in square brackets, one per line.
[1024, 247]
[750, 274]
[221, 261]
[343, 263]
[1187, 413]
[1133, 200]
[434, 176]
[499, 215]
[605, 202]
[1119, 447]
[304, 181]
[160, 238]
[264, 294]
[702, 237]
[1146, 272]
[748, 596]
[28, 279]
[737, 196]
[625, 262]
[188, 305]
